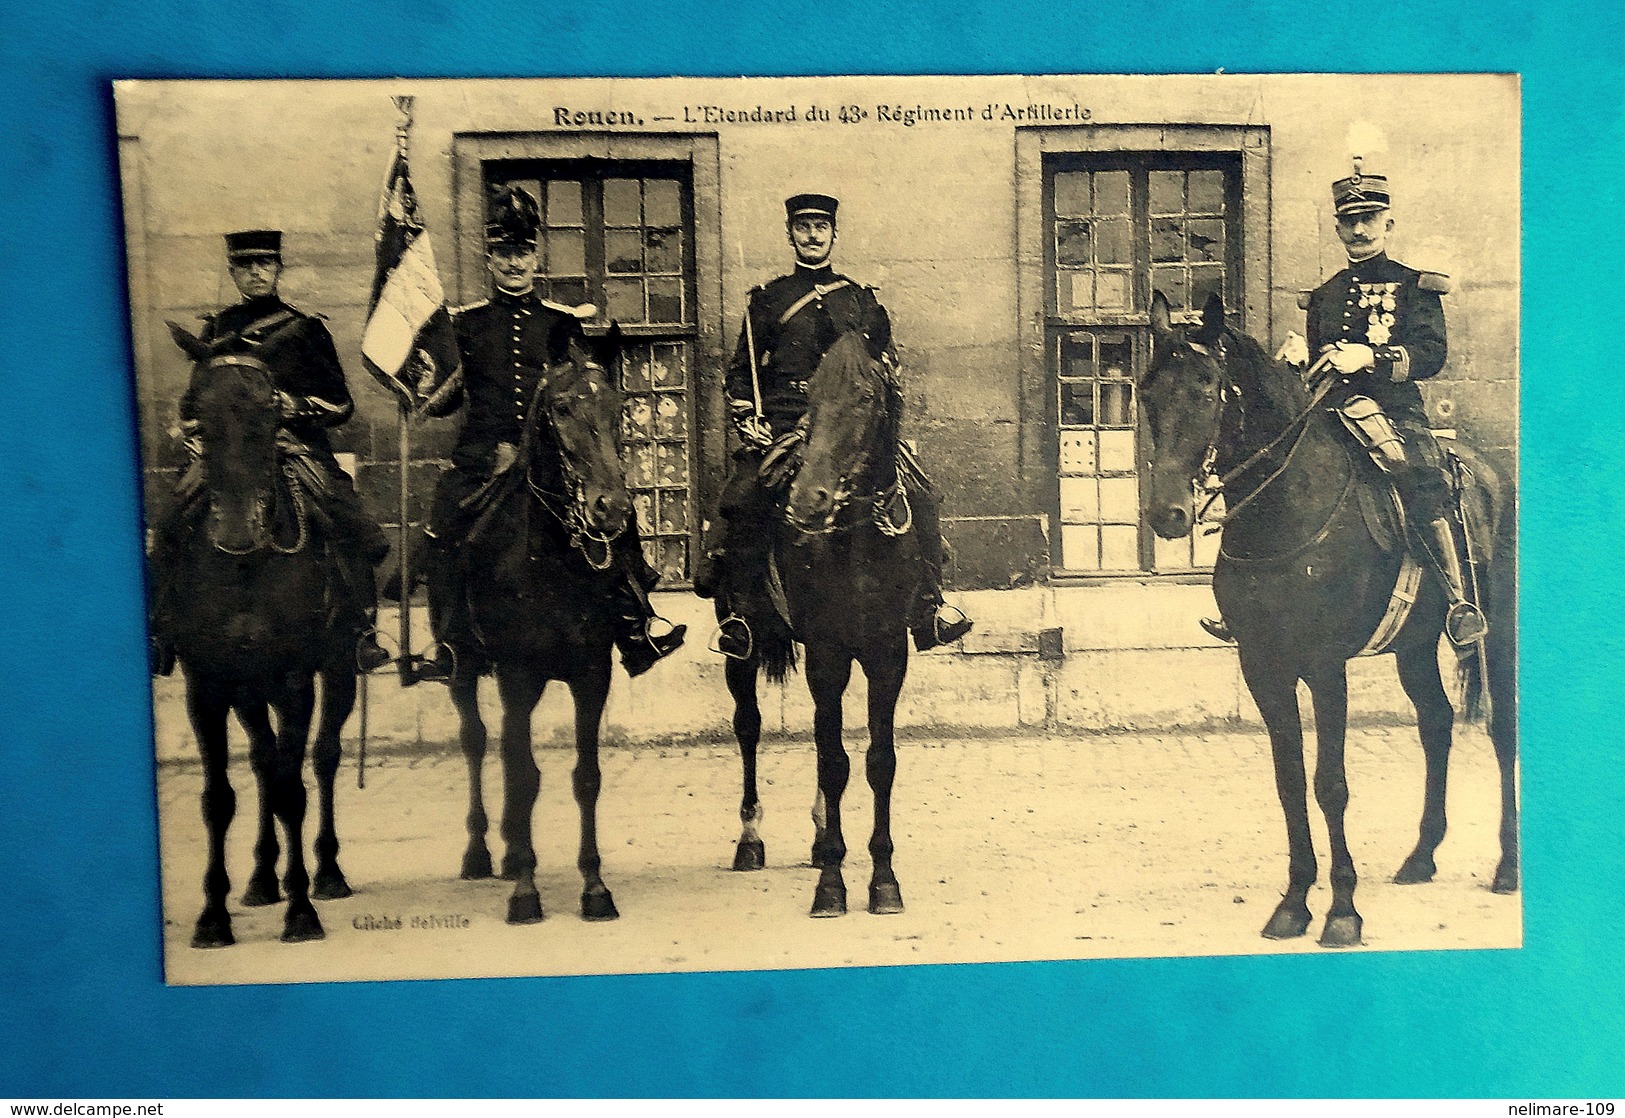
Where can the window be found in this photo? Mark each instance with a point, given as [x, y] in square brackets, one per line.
[620, 235]
[1118, 227]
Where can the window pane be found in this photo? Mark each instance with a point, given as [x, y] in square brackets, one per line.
[1171, 282]
[643, 504]
[1206, 239]
[1111, 290]
[671, 417]
[663, 250]
[1116, 403]
[623, 250]
[666, 300]
[1077, 452]
[1117, 452]
[1167, 239]
[662, 203]
[1072, 243]
[1116, 355]
[1111, 192]
[625, 299]
[1071, 193]
[1078, 355]
[566, 252]
[1205, 282]
[671, 463]
[571, 292]
[1080, 547]
[1080, 503]
[1167, 192]
[640, 472]
[666, 366]
[1207, 192]
[1170, 555]
[638, 418]
[563, 202]
[1077, 403]
[1112, 241]
[673, 561]
[635, 370]
[1074, 291]
[673, 505]
[1121, 548]
[1120, 499]
[621, 202]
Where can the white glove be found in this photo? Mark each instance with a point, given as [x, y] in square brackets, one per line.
[507, 455]
[1352, 357]
[1294, 351]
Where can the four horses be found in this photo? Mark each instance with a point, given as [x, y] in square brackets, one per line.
[1303, 579]
[251, 632]
[848, 567]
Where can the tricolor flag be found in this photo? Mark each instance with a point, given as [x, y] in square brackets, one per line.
[408, 342]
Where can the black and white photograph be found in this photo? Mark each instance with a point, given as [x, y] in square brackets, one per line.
[620, 526]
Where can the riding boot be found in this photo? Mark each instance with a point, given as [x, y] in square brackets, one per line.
[733, 637]
[362, 591]
[1217, 629]
[935, 622]
[450, 620]
[161, 563]
[642, 635]
[1464, 624]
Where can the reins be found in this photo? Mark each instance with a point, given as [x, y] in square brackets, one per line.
[571, 513]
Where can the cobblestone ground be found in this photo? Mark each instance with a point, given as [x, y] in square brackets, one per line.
[1008, 848]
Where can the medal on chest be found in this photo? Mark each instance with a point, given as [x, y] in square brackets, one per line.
[1379, 301]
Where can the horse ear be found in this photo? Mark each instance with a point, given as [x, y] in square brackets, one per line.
[1212, 320]
[1162, 323]
[193, 347]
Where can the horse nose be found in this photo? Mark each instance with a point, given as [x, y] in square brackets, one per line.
[1171, 522]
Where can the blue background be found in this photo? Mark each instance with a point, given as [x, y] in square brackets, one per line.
[83, 1011]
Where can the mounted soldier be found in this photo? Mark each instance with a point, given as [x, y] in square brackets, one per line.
[790, 324]
[312, 398]
[1378, 327]
[504, 345]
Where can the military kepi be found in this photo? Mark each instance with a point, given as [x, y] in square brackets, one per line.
[252, 244]
[513, 218]
[809, 205]
[1360, 193]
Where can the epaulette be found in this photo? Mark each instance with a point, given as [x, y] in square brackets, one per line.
[582, 311]
[1439, 283]
[469, 306]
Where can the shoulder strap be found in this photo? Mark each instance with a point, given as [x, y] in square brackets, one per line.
[818, 292]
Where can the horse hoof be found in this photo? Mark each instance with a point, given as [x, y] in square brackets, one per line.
[1341, 931]
[331, 886]
[597, 904]
[1287, 922]
[526, 909]
[1415, 871]
[750, 855]
[261, 891]
[302, 927]
[885, 898]
[1506, 879]
[213, 931]
[829, 900]
[477, 864]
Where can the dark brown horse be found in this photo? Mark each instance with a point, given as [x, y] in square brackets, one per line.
[252, 631]
[542, 590]
[848, 567]
[1303, 580]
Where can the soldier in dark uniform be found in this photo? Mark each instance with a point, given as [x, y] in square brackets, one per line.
[793, 321]
[1381, 327]
[312, 397]
[503, 344]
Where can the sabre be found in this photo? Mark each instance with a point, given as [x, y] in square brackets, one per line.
[750, 338]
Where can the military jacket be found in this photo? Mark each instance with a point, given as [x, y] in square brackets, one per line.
[298, 351]
[1381, 303]
[504, 344]
[788, 349]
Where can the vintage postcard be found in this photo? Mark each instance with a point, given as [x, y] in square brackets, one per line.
[594, 524]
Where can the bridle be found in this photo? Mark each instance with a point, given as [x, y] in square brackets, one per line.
[569, 509]
[889, 508]
[265, 516]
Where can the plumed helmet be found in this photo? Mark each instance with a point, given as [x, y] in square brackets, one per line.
[512, 218]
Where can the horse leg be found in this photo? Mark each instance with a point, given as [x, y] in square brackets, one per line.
[1329, 690]
[521, 781]
[880, 764]
[338, 699]
[1435, 719]
[828, 672]
[208, 715]
[465, 696]
[294, 709]
[1275, 690]
[749, 853]
[1502, 685]
[820, 822]
[262, 886]
[590, 688]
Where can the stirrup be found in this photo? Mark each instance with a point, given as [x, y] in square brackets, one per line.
[369, 655]
[1465, 625]
[721, 634]
[1217, 629]
[439, 668]
[949, 623]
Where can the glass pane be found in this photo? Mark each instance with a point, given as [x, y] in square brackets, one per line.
[1072, 242]
[666, 366]
[1167, 239]
[1116, 403]
[1077, 403]
[1079, 501]
[666, 300]
[640, 473]
[625, 299]
[639, 419]
[673, 505]
[671, 463]
[623, 250]
[1078, 355]
[621, 202]
[1071, 193]
[1205, 282]
[1171, 282]
[635, 370]
[663, 250]
[1171, 555]
[1080, 547]
[563, 203]
[671, 416]
[1074, 291]
[1207, 192]
[1111, 192]
[1120, 547]
[570, 292]
[1117, 452]
[1167, 192]
[566, 252]
[1120, 499]
[643, 505]
[1206, 547]
[1077, 452]
[1206, 238]
[1112, 241]
[673, 564]
[1111, 290]
[1116, 355]
[662, 203]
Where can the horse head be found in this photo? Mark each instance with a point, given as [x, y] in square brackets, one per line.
[581, 407]
[847, 449]
[1184, 395]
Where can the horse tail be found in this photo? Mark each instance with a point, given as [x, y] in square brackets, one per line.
[1488, 525]
[775, 649]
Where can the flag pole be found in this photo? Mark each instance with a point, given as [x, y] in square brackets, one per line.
[407, 663]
